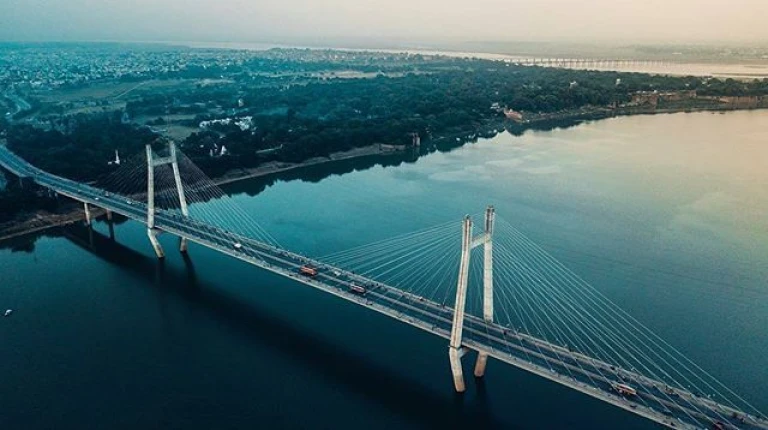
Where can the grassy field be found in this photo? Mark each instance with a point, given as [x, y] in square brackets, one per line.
[179, 132]
[118, 90]
[113, 95]
[171, 128]
[98, 91]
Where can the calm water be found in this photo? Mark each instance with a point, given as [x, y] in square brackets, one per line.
[747, 70]
[665, 214]
[720, 70]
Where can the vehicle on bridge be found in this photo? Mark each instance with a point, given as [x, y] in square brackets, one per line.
[648, 396]
[308, 270]
[625, 390]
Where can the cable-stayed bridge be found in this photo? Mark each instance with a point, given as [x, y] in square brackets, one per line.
[585, 63]
[512, 302]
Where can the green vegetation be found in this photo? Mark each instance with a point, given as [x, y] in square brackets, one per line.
[298, 112]
[83, 146]
[15, 199]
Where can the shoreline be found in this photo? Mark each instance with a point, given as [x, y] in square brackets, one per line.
[279, 167]
[41, 221]
[53, 220]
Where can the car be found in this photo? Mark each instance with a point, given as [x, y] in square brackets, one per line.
[308, 270]
[96, 198]
[238, 245]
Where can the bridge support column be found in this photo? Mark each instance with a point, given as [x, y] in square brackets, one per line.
[455, 355]
[109, 215]
[490, 215]
[151, 231]
[87, 209]
[180, 190]
[455, 351]
[150, 189]
[152, 234]
[172, 159]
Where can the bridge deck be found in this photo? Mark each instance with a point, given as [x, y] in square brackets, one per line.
[555, 363]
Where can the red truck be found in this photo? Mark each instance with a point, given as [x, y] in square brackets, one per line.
[308, 270]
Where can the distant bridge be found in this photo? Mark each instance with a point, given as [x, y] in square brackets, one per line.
[586, 63]
[531, 312]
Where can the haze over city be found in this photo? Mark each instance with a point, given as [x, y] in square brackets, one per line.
[381, 21]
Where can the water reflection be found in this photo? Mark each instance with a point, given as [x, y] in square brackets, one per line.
[420, 405]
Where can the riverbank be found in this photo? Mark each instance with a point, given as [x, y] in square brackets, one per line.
[563, 119]
[278, 167]
[40, 221]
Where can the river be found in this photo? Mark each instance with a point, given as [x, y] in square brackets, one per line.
[664, 214]
[743, 69]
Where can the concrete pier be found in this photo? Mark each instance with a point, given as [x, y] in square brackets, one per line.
[482, 360]
[454, 351]
[87, 209]
[455, 354]
[183, 244]
[152, 233]
[490, 215]
[179, 189]
[153, 162]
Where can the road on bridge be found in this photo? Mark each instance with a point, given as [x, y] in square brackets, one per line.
[654, 400]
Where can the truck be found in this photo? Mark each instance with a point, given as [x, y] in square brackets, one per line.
[308, 270]
[357, 289]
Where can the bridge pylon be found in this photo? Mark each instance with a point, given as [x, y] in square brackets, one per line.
[487, 241]
[468, 242]
[153, 162]
[87, 209]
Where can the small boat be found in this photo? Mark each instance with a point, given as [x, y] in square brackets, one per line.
[8, 312]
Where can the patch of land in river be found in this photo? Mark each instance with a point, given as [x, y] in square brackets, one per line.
[43, 220]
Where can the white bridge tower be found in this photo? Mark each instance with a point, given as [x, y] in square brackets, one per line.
[468, 242]
[153, 162]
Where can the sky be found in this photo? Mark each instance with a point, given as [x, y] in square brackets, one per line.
[402, 21]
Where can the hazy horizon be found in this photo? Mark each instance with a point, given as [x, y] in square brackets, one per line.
[386, 21]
